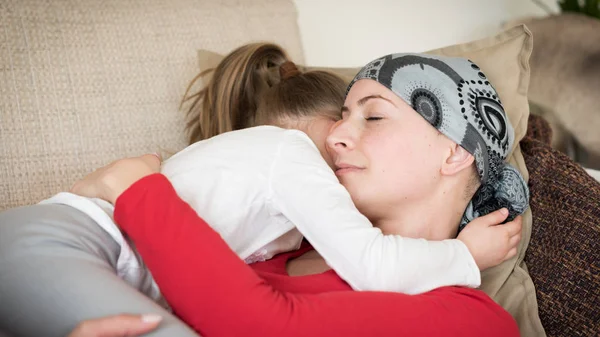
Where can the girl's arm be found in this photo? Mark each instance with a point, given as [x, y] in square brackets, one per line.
[211, 289]
[308, 193]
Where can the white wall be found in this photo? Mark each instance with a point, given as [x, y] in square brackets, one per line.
[353, 32]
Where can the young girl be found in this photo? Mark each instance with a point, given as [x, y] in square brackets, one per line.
[268, 184]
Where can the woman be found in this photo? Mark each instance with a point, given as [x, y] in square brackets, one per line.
[378, 124]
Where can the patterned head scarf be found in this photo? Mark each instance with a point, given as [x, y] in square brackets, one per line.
[456, 98]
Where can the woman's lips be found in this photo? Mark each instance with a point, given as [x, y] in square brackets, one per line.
[343, 169]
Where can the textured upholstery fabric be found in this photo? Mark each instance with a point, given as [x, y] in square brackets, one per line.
[85, 82]
[564, 252]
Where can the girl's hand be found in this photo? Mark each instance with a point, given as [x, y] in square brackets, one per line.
[110, 181]
[491, 242]
[117, 326]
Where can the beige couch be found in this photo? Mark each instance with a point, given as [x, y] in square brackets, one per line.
[85, 82]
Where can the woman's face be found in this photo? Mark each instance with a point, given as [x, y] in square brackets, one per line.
[383, 151]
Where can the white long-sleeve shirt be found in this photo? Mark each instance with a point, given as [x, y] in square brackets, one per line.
[257, 186]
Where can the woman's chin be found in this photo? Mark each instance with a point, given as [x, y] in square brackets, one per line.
[353, 187]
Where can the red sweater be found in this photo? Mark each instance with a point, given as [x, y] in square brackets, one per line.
[217, 294]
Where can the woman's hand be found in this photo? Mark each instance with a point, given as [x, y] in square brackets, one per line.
[117, 326]
[110, 181]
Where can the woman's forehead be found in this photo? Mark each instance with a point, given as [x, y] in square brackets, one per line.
[366, 89]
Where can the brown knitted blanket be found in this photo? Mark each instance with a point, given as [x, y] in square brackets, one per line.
[564, 252]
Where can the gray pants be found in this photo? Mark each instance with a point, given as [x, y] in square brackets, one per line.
[58, 268]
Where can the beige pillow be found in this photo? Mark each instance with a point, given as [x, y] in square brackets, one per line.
[504, 59]
[565, 80]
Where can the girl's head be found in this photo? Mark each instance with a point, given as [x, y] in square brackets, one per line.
[425, 130]
[257, 84]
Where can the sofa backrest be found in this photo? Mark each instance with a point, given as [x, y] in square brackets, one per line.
[85, 82]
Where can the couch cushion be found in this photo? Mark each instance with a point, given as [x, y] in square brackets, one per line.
[85, 82]
[504, 59]
[564, 253]
[565, 79]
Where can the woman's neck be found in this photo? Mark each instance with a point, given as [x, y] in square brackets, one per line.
[434, 218]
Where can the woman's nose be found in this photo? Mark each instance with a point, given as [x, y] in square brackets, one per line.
[340, 137]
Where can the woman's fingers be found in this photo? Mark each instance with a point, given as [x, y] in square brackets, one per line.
[110, 181]
[117, 326]
[84, 188]
[157, 155]
[153, 160]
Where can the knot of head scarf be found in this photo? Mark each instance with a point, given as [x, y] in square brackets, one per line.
[456, 98]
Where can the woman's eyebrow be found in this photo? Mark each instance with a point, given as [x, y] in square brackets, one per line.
[365, 99]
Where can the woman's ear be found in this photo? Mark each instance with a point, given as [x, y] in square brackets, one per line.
[456, 160]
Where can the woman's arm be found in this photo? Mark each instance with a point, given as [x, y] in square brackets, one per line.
[211, 289]
[307, 192]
